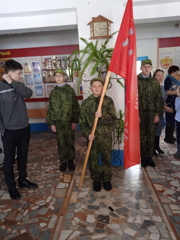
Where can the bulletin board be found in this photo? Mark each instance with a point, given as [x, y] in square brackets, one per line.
[32, 76]
[32, 60]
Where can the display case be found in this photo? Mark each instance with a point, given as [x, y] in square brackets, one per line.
[50, 64]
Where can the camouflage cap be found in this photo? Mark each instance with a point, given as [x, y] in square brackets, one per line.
[59, 71]
[146, 61]
[95, 80]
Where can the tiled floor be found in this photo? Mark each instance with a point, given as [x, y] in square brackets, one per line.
[143, 204]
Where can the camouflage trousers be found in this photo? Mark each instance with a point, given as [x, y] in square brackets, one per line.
[102, 144]
[65, 141]
[147, 133]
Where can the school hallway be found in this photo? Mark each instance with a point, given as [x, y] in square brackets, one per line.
[143, 204]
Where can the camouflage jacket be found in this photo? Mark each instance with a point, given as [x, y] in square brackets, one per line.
[150, 95]
[63, 105]
[105, 124]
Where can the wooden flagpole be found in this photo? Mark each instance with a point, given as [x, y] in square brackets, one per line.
[94, 127]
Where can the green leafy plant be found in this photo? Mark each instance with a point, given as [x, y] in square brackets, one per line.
[99, 58]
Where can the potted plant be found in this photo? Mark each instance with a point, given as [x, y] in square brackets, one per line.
[99, 58]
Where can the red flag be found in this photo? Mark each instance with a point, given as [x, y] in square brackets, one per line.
[123, 63]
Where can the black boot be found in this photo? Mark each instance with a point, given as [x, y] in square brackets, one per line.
[172, 132]
[97, 186]
[63, 167]
[157, 145]
[168, 131]
[155, 153]
[71, 165]
[144, 162]
[150, 162]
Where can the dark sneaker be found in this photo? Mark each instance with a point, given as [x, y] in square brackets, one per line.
[27, 184]
[173, 138]
[160, 150]
[14, 194]
[168, 140]
[150, 162]
[71, 165]
[107, 186]
[144, 162]
[97, 186]
[177, 155]
[63, 167]
[155, 153]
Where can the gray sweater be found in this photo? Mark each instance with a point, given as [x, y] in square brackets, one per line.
[13, 111]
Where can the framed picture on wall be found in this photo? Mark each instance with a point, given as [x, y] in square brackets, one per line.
[27, 67]
[36, 67]
[28, 79]
[37, 79]
[49, 88]
[39, 91]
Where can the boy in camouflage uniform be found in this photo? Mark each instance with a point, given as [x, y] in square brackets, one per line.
[62, 117]
[102, 141]
[151, 106]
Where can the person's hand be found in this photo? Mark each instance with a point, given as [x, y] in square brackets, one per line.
[98, 114]
[156, 119]
[91, 138]
[74, 126]
[7, 78]
[168, 109]
[53, 128]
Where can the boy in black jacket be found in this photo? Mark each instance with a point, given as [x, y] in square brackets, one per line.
[14, 126]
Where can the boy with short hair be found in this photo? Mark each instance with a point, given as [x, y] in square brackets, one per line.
[102, 141]
[151, 106]
[14, 126]
[62, 117]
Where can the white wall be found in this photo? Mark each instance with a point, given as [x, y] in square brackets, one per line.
[157, 30]
[148, 47]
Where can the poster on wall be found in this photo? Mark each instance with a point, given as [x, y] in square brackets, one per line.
[28, 79]
[27, 67]
[39, 91]
[36, 67]
[49, 88]
[37, 79]
[168, 57]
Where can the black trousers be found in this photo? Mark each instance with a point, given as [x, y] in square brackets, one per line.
[15, 140]
[170, 117]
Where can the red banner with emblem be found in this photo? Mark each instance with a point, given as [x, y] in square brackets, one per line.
[123, 63]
